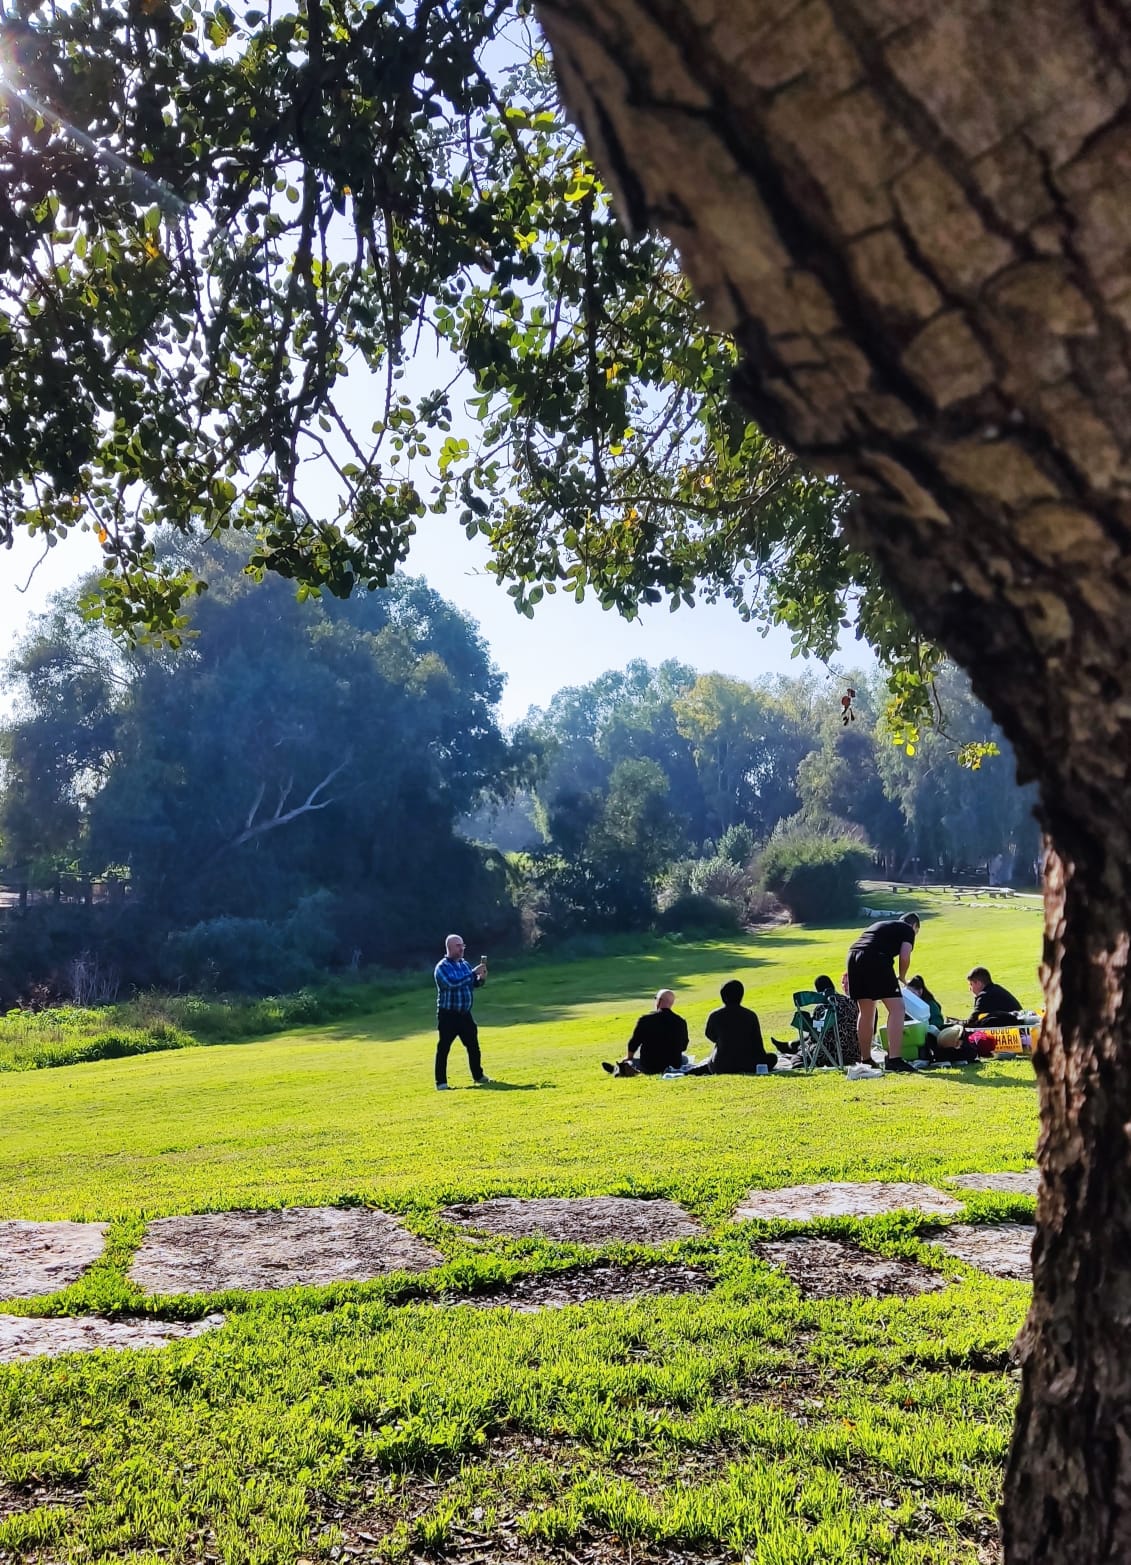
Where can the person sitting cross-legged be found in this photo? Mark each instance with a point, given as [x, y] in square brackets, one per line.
[659, 1042]
[736, 1034]
[994, 1006]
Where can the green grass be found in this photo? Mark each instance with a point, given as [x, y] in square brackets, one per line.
[748, 1420]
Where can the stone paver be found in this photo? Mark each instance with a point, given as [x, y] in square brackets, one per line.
[802, 1203]
[577, 1219]
[26, 1337]
[45, 1257]
[1002, 1249]
[299, 1246]
[1012, 1184]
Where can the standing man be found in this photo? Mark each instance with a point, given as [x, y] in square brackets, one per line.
[456, 982]
[872, 977]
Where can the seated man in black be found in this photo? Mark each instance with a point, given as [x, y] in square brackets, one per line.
[994, 1006]
[658, 1043]
[737, 1036]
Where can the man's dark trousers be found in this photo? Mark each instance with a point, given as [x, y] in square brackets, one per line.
[452, 1025]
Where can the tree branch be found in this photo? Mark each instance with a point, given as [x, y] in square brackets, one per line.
[282, 817]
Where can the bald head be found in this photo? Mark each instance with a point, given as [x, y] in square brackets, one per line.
[454, 945]
[665, 1000]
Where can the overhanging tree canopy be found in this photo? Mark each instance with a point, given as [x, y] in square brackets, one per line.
[223, 233]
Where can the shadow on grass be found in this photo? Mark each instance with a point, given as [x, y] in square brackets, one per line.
[971, 1076]
[536, 994]
[541, 991]
[515, 1086]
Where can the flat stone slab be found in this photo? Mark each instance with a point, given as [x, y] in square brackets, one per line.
[40, 1258]
[613, 1283]
[1002, 1249]
[1012, 1184]
[599, 1219]
[25, 1337]
[802, 1203]
[827, 1269]
[300, 1246]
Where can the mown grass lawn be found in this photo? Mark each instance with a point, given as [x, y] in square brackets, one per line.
[746, 1422]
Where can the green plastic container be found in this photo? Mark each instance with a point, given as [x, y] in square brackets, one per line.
[914, 1038]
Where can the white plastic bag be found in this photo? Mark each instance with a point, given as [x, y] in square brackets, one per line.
[916, 1007]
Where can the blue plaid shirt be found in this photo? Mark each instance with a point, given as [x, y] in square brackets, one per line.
[454, 984]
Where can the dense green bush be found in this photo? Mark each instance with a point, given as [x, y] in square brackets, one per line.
[816, 877]
[255, 955]
[70, 1035]
[737, 844]
[696, 913]
[559, 898]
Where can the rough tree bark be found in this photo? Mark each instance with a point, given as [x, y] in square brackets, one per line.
[915, 218]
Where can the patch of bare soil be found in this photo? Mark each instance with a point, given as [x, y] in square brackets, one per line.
[372, 1535]
[802, 1203]
[1012, 1184]
[879, 1487]
[577, 1219]
[46, 1257]
[16, 1499]
[27, 1337]
[1002, 1249]
[613, 1284]
[299, 1246]
[505, 1541]
[826, 1269]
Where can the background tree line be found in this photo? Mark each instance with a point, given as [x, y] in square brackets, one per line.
[309, 784]
[692, 796]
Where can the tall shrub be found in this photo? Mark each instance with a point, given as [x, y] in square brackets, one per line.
[815, 877]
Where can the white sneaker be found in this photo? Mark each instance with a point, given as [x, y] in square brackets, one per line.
[863, 1073]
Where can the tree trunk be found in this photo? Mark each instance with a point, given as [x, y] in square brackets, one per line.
[915, 219]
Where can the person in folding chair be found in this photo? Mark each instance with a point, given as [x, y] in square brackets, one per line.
[847, 1016]
[818, 1042]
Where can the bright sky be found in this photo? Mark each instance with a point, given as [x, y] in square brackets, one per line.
[565, 644]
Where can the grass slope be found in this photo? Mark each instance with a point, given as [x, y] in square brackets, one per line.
[747, 1423]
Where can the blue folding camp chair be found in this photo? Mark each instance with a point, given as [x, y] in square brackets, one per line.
[818, 1041]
